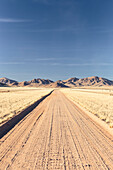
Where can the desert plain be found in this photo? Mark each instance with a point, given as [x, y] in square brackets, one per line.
[98, 101]
[57, 134]
[13, 100]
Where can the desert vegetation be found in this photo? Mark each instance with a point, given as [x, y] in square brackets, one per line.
[97, 101]
[14, 100]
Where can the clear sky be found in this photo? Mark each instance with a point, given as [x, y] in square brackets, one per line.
[56, 39]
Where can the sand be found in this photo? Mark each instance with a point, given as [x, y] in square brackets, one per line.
[57, 135]
[14, 100]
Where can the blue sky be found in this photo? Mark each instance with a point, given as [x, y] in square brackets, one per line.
[56, 39]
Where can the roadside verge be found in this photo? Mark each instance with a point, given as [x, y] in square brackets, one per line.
[94, 118]
[7, 126]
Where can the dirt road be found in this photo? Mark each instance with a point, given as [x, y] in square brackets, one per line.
[56, 135]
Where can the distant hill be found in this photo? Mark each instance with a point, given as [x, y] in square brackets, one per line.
[71, 82]
[36, 82]
[3, 85]
[94, 81]
[88, 81]
[58, 84]
[8, 81]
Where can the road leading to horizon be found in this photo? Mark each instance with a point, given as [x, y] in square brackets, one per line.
[56, 135]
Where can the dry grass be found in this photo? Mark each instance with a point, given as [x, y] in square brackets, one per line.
[14, 100]
[97, 101]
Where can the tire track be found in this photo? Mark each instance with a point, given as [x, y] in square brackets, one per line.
[56, 135]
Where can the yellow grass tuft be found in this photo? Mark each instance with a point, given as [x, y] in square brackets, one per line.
[97, 101]
[14, 100]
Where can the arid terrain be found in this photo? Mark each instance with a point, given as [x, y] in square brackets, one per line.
[14, 100]
[69, 128]
[57, 135]
[97, 101]
[73, 82]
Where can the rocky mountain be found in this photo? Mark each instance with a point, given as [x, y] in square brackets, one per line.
[8, 81]
[89, 81]
[71, 82]
[94, 81]
[3, 85]
[41, 81]
[36, 82]
[58, 84]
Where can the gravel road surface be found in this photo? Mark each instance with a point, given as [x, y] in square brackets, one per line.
[56, 135]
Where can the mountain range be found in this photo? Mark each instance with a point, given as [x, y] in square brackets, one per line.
[71, 82]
